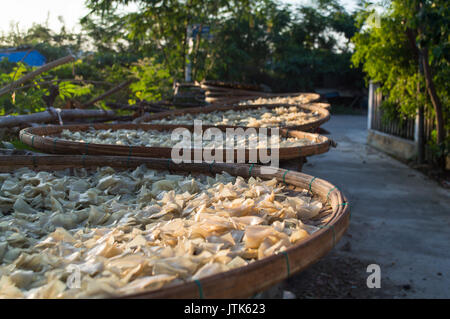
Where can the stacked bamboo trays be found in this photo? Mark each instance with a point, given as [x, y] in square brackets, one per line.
[188, 94]
[219, 91]
[217, 84]
[324, 115]
[46, 139]
[241, 282]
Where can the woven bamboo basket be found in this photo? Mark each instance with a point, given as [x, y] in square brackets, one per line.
[45, 138]
[241, 282]
[324, 115]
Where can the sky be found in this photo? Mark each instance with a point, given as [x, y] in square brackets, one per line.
[25, 12]
[28, 11]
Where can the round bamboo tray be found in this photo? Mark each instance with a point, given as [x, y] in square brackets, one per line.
[311, 98]
[324, 115]
[45, 138]
[241, 282]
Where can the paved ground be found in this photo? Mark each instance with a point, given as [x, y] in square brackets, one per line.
[400, 221]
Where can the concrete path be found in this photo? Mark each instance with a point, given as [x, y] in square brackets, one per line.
[400, 220]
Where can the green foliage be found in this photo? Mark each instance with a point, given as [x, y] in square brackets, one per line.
[290, 48]
[388, 55]
[68, 90]
[19, 145]
[153, 80]
[261, 41]
[158, 29]
[30, 97]
[51, 44]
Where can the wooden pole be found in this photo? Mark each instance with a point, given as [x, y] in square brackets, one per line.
[370, 106]
[47, 116]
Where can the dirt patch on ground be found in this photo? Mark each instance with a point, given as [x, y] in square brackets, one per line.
[340, 276]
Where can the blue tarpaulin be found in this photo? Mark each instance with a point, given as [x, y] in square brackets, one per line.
[34, 58]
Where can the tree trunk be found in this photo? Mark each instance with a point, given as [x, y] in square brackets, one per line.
[422, 54]
[437, 105]
[420, 124]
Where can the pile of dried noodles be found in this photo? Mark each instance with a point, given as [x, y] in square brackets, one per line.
[79, 233]
[258, 117]
[154, 138]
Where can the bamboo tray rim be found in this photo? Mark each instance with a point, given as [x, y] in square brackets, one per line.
[40, 138]
[219, 285]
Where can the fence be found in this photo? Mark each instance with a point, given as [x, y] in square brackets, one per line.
[406, 129]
